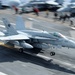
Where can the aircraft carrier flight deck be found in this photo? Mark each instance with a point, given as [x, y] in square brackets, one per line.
[12, 62]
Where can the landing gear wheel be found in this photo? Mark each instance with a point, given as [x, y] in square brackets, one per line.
[52, 53]
[21, 50]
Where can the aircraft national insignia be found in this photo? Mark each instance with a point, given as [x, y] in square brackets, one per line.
[9, 25]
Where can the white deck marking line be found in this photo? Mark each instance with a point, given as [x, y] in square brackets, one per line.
[73, 28]
[11, 23]
[1, 73]
[2, 26]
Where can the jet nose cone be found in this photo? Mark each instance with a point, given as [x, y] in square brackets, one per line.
[26, 45]
[72, 43]
[60, 10]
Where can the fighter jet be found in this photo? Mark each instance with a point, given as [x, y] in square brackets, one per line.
[57, 38]
[33, 38]
[44, 4]
[67, 8]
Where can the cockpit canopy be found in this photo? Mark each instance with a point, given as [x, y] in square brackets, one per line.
[57, 34]
[71, 4]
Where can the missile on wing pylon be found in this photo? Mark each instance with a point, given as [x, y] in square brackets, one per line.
[25, 45]
[22, 44]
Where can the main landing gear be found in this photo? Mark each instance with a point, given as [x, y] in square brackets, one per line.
[52, 53]
[21, 50]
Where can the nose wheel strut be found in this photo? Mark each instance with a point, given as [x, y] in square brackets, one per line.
[21, 50]
[52, 53]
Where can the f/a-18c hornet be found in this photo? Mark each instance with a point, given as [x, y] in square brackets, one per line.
[33, 39]
[67, 8]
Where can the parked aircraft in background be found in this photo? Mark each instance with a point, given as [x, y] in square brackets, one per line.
[43, 4]
[33, 38]
[27, 6]
[67, 8]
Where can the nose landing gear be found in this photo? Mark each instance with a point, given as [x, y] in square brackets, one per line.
[21, 50]
[52, 53]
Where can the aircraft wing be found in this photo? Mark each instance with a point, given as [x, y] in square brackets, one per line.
[13, 37]
[72, 6]
[52, 3]
[42, 38]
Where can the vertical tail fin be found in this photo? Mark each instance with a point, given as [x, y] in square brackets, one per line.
[20, 23]
[9, 27]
